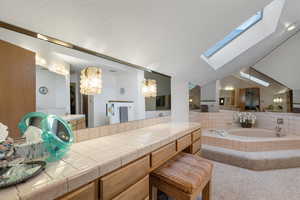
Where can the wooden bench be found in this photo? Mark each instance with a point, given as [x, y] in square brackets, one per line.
[183, 177]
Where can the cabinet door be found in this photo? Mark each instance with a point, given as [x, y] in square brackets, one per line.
[118, 181]
[88, 192]
[196, 135]
[184, 142]
[17, 85]
[161, 155]
[138, 191]
[196, 146]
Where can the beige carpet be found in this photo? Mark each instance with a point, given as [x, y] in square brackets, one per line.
[234, 183]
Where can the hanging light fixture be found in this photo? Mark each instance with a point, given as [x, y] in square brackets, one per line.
[149, 88]
[91, 83]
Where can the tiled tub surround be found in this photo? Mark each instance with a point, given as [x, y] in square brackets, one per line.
[265, 120]
[89, 160]
[251, 144]
[255, 153]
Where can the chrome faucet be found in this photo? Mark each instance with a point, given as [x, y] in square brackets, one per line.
[278, 129]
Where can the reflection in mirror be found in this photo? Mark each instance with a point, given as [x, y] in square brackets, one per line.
[247, 90]
[159, 105]
[45, 77]
[59, 129]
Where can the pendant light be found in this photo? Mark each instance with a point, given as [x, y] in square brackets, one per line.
[91, 81]
[149, 88]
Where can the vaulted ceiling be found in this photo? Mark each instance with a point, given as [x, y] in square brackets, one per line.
[168, 36]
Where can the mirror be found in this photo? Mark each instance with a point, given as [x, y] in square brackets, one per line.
[60, 130]
[45, 77]
[248, 90]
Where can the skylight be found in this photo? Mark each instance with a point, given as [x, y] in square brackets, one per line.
[254, 79]
[253, 31]
[234, 34]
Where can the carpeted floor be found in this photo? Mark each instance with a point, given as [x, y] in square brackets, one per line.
[234, 183]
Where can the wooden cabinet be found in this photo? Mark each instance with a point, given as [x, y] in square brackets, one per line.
[118, 181]
[184, 142]
[132, 180]
[138, 191]
[161, 155]
[196, 146]
[77, 124]
[17, 85]
[88, 192]
[196, 135]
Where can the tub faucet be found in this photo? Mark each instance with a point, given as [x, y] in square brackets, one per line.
[278, 130]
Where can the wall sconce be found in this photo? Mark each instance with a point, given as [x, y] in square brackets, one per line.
[59, 69]
[229, 88]
[149, 88]
[91, 81]
[278, 100]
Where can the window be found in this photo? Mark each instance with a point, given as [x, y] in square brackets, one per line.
[234, 34]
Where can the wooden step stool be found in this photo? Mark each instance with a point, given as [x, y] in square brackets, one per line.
[183, 177]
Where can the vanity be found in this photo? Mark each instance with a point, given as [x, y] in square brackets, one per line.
[113, 167]
[77, 122]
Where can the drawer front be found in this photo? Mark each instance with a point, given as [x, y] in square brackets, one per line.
[88, 192]
[184, 142]
[118, 181]
[159, 156]
[138, 191]
[196, 146]
[196, 135]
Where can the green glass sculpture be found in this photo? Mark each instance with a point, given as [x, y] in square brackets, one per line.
[57, 134]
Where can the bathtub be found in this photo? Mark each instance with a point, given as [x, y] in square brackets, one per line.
[252, 132]
[250, 140]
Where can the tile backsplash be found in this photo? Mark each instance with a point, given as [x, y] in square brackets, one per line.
[265, 120]
[92, 133]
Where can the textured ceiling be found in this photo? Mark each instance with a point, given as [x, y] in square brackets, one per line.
[168, 36]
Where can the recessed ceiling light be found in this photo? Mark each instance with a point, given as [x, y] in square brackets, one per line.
[292, 27]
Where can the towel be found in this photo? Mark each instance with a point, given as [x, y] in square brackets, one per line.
[123, 114]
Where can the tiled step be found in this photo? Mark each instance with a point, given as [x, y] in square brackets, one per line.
[253, 160]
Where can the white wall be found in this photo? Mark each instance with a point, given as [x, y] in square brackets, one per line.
[210, 96]
[75, 77]
[179, 100]
[208, 92]
[283, 63]
[109, 92]
[57, 101]
[112, 83]
[131, 81]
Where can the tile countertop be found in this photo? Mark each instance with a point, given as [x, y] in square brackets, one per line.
[92, 159]
[72, 117]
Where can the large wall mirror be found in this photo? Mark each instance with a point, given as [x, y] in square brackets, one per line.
[249, 90]
[45, 77]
